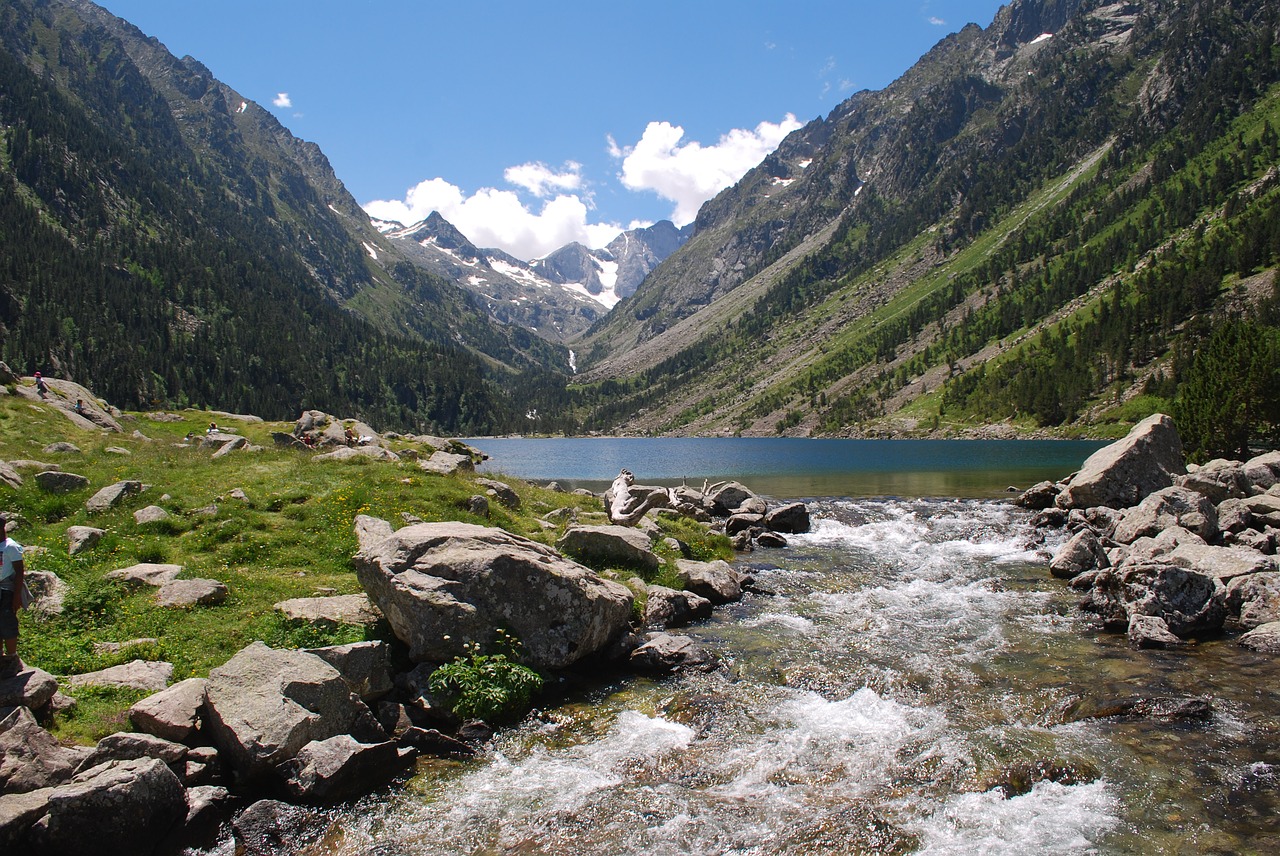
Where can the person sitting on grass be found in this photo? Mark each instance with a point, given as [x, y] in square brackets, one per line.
[12, 571]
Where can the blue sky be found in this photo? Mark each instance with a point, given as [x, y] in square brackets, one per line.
[531, 124]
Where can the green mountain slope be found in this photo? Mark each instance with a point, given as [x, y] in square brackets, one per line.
[165, 240]
[1023, 228]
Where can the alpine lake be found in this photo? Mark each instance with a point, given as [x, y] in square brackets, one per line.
[916, 682]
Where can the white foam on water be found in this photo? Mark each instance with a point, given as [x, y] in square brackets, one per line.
[795, 625]
[810, 742]
[554, 780]
[1051, 819]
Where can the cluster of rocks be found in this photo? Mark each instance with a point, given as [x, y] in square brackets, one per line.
[730, 507]
[312, 727]
[1165, 552]
[344, 439]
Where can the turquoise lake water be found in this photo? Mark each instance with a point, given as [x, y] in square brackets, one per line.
[789, 467]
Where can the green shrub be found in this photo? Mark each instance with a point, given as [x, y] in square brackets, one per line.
[487, 686]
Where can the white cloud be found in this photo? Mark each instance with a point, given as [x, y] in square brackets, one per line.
[690, 174]
[937, 22]
[283, 101]
[499, 218]
[540, 179]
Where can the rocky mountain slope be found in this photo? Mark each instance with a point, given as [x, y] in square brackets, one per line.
[557, 296]
[976, 213]
[167, 239]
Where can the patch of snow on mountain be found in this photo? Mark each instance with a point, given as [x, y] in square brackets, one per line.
[608, 274]
[804, 163]
[1043, 37]
[573, 361]
[476, 280]
[783, 182]
[373, 254]
[518, 273]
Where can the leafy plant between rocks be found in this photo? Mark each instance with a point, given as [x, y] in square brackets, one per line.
[492, 687]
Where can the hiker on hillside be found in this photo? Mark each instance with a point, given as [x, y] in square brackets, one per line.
[12, 571]
[41, 386]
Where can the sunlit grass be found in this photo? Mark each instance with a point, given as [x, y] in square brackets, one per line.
[290, 537]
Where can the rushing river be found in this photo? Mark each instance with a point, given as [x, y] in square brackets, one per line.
[915, 651]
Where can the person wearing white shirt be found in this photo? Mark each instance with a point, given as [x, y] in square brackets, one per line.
[12, 571]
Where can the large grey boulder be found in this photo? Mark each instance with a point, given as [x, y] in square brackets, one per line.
[365, 666]
[666, 607]
[1265, 638]
[1188, 602]
[56, 481]
[792, 518]
[1127, 471]
[716, 581]
[117, 807]
[447, 463]
[18, 811]
[1151, 631]
[1218, 480]
[1254, 599]
[30, 757]
[1170, 506]
[444, 585]
[112, 495]
[263, 705]
[150, 514]
[1084, 552]
[662, 653]
[729, 497]
[611, 546]
[174, 713]
[29, 688]
[340, 767]
[1263, 471]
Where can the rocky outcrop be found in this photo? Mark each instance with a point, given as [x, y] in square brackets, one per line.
[136, 674]
[30, 757]
[610, 546]
[112, 495]
[354, 609]
[263, 705]
[444, 585]
[340, 767]
[116, 807]
[1126, 472]
[717, 581]
[1192, 553]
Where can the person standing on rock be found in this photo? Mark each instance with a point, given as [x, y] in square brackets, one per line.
[12, 571]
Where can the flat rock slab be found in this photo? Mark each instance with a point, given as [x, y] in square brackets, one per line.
[56, 481]
[112, 495]
[136, 674]
[1264, 638]
[147, 573]
[188, 593]
[347, 453]
[354, 609]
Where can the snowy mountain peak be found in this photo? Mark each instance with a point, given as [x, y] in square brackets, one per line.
[556, 296]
